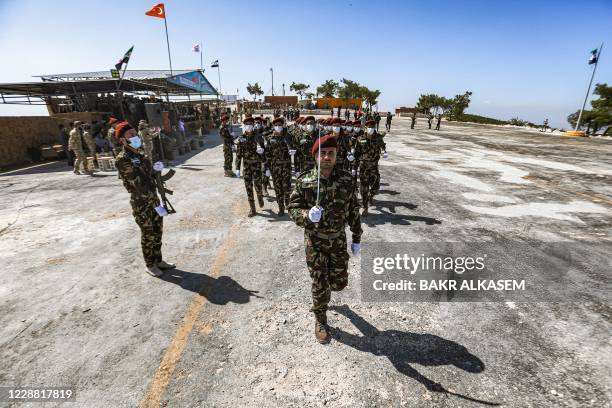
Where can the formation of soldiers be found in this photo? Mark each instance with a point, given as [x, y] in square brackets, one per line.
[334, 162]
[272, 150]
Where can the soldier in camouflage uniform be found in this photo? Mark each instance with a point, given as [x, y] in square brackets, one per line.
[89, 141]
[279, 163]
[110, 135]
[367, 154]
[263, 132]
[252, 153]
[138, 179]
[296, 133]
[75, 143]
[147, 139]
[343, 140]
[307, 138]
[324, 224]
[228, 143]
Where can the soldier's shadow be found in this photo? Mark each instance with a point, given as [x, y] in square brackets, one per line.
[387, 213]
[220, 291]
[403, 349]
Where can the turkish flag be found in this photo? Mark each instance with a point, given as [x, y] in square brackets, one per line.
[157, 11]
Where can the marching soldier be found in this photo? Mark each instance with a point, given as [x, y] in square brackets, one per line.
[343, 141]
[307, 138]
[147, 139]
[75, 143]
[228, 143]
[413, 120]
[252, 154]
[279, 162]
[138, 179]
[323, 203]
[438, 122]
[367, 152]
[262, 130]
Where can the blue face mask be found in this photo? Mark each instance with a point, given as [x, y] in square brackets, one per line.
[135, 142]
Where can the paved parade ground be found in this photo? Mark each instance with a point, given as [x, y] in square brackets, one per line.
[230, 327]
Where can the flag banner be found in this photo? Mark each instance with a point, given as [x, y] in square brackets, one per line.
[114, 73]
[125, 59]
[194, 80]
[196, 48]
[157, 10]
[593, 59]
[215, 64]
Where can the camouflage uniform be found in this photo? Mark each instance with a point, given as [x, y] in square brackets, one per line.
[265, 180]
[344, 147]
[75, 144]
[252, 166]
[138, 179]
[228, 140]
[367, 153]
[325, 241]
[91, 145]
[304, 146]
[295, 133]
[279, 163]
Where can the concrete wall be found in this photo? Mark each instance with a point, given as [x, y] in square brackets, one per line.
[18, 133]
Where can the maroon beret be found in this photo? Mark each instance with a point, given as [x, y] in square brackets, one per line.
[309, 118]
[278, 120]
[335, 121]
[322, 142]
[248, 119]
[370, 122]
[121, 128]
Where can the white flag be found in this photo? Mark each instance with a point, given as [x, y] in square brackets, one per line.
[196, 48]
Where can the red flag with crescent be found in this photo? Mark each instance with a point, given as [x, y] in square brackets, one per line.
[157, 11]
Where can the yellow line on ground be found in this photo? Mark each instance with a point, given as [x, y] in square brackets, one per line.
[592, 197]
[157, 387]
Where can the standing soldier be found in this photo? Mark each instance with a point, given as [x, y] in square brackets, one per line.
[91, 144]
[279, 162]
[138, 179]
[228, 143]
[343, 141]
[262, 131]
[110, 135]
[438, 122]
[377, 118]
[323, 203]
[388, 124]
[429, 119]
[252, 153]
[75, 143]
[296, 135]
[146, 137]
[413, 120]
[367, 153]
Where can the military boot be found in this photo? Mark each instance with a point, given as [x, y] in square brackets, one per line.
[281, 210]
[154, 271]
[252, 213]
[165, 265]
[260, 201]
[321, 332]
[229, 173]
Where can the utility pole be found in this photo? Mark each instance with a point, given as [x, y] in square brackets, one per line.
[272, 72]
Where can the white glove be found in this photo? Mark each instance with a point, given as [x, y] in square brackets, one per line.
[237, 173]
[355, 248]
[260, 150]
[315, 214]
[292, 152]
[350, 157]
[268, 174]
[385, 155]
[353, 172]
[158, 166]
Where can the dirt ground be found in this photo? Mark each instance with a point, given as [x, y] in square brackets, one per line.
[230, 327]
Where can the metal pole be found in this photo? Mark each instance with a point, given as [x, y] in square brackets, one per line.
[201, 63]
[283, 89]
[219, 74]
[272, 71]
[588, 89]
[168, 44]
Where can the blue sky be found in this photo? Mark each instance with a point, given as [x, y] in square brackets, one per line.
[519, 58]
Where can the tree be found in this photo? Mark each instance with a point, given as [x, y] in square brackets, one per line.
[433, 104]
[350, 89]
[328, 89]
[601, 114]
[459, 105]
[370, 97]
[254, 90]
[309, 95]
[517, 122]
[299, 88]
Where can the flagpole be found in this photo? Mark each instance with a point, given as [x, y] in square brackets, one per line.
[219, 74]
[119, 87]
[168, 44]
[588, 89]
